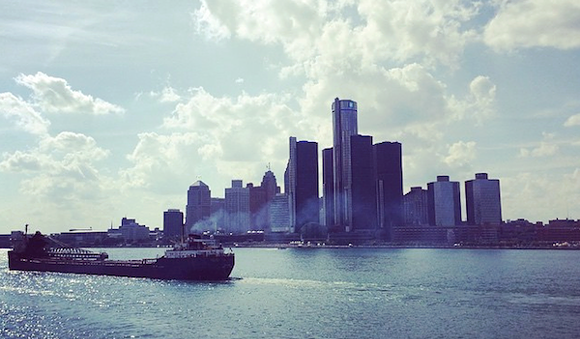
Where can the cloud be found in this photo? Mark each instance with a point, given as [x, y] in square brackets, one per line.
[479, 104]
[61, 167]
[209, 136]
[54, 95]
[538, 195]
[432, 30]
[573, 120]
[545, 149]
[370, 31]
[460, 154]
[243, 128]
[541, 23]
[157, 159]
[24, 115]
[167, 94]
[208, 24]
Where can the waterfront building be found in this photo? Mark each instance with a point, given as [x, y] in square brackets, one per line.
[270, 185]
[301, 178]
[260, 199]
[130, 230]
[172, 223]
[344, 125]
[388, 165]
[327, 189]
[359, 186]
[198, 207]
[237, 208]
[415, 204]
[444, 202]
[279, 213]
[483, 201]
[218, 214]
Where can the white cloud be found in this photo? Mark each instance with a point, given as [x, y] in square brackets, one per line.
[167, 94]
[542, 23]
[545, 149]
[428, 29]
[208, 24]
[158, 159]
[539, 196]
[479, 104]
[215, 137]
[370, 33]
[24, 115]
[573, 120]
[461, 154]
[54, 95]
[61, 167]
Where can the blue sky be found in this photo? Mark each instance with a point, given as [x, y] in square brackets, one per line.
[112, 109]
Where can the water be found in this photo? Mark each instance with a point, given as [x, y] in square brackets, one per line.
[310, 293]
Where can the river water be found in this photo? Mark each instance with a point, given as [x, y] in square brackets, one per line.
[310, 293]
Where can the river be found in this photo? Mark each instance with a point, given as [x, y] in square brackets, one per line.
[310, 293]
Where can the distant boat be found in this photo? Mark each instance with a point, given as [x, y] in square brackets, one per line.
[192, 259]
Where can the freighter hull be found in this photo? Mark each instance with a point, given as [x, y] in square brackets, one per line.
[189, 268]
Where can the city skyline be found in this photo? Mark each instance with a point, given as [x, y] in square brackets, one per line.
[103, 116]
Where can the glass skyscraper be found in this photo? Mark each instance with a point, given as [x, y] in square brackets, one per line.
[344, 125]
[388, 162]
[302, 183]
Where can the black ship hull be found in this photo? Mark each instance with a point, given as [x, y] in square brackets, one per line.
[211, 268]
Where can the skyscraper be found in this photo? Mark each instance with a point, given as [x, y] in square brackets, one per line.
[328, 188]
[172, 223]
[302, 183]
[237, 205]
[415, 204]
[279, 213]
[261, 213]
[389, 185]
[198, 204]
[344, 125]
[444, 202]
[359, 186]
[483, 202]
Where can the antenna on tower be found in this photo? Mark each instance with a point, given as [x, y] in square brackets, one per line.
[269, 167]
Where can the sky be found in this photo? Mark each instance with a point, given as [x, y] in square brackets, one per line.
[112, 109]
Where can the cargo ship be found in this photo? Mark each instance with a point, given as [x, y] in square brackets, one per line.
[193, 258]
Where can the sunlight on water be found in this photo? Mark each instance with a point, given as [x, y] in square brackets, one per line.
[319, 294]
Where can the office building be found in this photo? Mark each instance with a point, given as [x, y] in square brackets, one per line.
[260, 199]
[483, 201]
[415, 206]
[388, 165]
[328, 189]
[444, 202]
[359, 186]
[218, 214]
[279, 213]
[198, 207]
[302, 183]
[172, 223]
[344, 125]
[237, 208]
